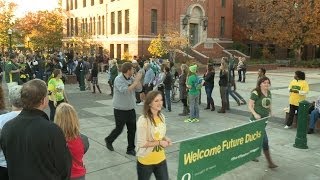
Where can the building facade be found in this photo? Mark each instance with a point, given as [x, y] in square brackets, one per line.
[121, 26]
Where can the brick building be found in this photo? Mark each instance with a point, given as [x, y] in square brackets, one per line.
[129, 25]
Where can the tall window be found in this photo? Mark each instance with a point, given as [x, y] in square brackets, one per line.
[92, 2]
[223, 3]
[101, 1]
[103, 25]
[84, 2]
[111, 51]
[222, 26]
[112, 23]
[76, 26]
[119, 51]
[126, 25]
[154, 21]
[119, 22]
[75, 4]
[71, 27]
[94, 25]
[82, 26]
[86, 22]
[90, 26]
[71, 4]
[126, 48]
[99, 25]
[67, 5]
[68, 28]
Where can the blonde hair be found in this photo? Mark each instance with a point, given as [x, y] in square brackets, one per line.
[67, 119]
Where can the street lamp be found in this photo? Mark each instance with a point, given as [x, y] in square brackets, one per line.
[10, 43]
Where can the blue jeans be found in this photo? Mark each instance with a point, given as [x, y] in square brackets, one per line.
[265, 141]
[209, 89]
[313, 118]
[194, 106]
[168, 99]
[160, 171]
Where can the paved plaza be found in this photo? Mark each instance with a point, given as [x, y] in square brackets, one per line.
[97, 121]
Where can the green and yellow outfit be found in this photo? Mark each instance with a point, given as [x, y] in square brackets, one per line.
[56, 93]
[262, 105]
[9, 76]
[193, 95]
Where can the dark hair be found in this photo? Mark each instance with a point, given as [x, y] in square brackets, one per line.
[167, 69]
[210, 67]
[32, 93]
[260, 81]
[263, 70]
[56, 72]
[126, 67]
[146, 108]
[301, 75]
[2, 104]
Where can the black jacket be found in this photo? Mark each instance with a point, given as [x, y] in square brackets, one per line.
[35, 148]
[168, 81]
[223, 81]
[209, 78]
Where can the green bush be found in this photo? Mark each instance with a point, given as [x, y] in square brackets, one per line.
[240, 47]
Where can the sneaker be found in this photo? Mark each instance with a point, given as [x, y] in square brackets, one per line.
[310, 131]
[188, 120]
[195, 120]
[287, 127]
[131, 152]
[109, 145]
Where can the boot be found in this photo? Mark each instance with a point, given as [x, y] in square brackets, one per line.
[212, 106]
[208, 106]
[244, 80]
[99, 88]
[94, 89]
[310, 131]
[184, 111]
[223, 108]
[271, 165]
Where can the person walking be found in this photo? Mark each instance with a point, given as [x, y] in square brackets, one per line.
[208, 78]
[44, 154]
[94, 77]
[298, 89]
[167, 87]
[57, 93]
[242, 68]
[124, 103]
[113, 74]
[223, 83]
[67, 119]
[260, 107]
[183, 94]
[152, 140]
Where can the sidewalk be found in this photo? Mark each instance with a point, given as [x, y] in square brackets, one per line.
[96, 120]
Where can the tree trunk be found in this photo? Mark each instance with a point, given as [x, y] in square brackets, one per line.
[298, 53]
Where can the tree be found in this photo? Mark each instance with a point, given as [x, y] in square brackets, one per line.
[6, 20]
[157, 47]
[174, 42]
[290, 24]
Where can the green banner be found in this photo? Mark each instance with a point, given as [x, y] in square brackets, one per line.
[212, 155]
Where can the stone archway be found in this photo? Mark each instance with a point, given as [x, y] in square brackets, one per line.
[196, 14]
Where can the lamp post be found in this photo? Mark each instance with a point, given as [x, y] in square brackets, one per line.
[10, 40]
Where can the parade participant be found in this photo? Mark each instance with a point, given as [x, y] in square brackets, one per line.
[260, 107]
[16, 104]
[57, 93]
[124, 102]
[167, 87]
[298, 89]
[208, 78]
[183, 94]
[44, 154]
[223, 83]
[261, 73]
[67, 119]
[314, 115]
[94, 77]
[12, 72]
[152, 140]
[194, 87]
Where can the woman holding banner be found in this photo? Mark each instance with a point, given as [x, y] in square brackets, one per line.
[151, 139]
[260, 107]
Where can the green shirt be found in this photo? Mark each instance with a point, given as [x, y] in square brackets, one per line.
[11, 77]
[192, 82]
[262, 104]
[56, 87]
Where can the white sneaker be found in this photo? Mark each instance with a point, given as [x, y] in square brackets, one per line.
[287, 127]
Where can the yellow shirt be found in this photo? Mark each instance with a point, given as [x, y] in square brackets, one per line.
[158, 154]
[303, 88]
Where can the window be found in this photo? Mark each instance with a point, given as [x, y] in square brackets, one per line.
[111, 0]
[86, 24]
[112, 23]
[76, 26]
[82, 26]
[223, 3]
[71, 27]
[68, 28]
[119, 22]
[111, 51]
[71, 4]
[92, 2]
[126, 48]
[75, 4]
[103, 25]
[119, 51]
[84, 2]
[67, 5]
[153, 21]
[94, 25]
[101, 1]
[127, 22]
[222, 27]
[90, 26]
[99, 25]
